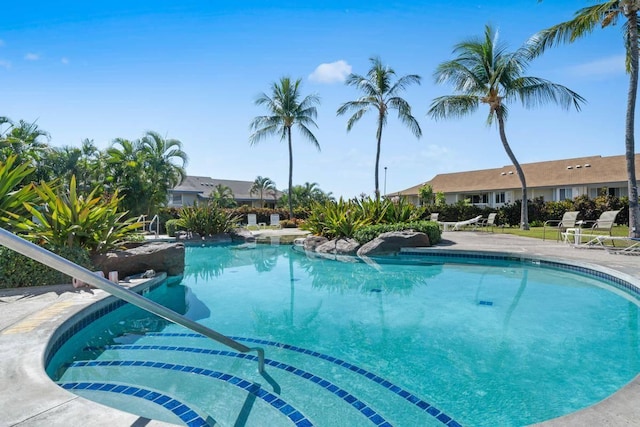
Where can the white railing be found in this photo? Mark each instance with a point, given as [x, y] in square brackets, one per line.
[155, 220]
[67, 267]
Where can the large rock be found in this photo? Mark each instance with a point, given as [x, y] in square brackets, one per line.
[157, 256]
[391, 242]
[242, 235]
[312, 242]
[339, 247]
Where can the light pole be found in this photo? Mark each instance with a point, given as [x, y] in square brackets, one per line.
[385, 180]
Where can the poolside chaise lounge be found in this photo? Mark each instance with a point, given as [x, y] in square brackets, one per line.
[594, 234]
[434, 216]
[252, 220]
[459, 225]
[274, 221]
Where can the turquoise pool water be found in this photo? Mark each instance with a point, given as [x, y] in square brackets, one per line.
[404, 341]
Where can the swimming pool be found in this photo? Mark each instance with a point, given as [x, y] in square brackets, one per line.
[411, 340]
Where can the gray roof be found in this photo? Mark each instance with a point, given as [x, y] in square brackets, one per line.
[204, 186]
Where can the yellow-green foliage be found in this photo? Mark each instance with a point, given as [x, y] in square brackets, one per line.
[64, 218]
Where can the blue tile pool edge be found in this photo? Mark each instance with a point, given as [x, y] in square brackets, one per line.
[86, 315]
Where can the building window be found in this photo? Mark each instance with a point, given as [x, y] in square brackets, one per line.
[500, 198]
[477, 199]
[176, 199]
[564, 194]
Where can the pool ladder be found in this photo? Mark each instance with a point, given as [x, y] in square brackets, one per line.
[67, 267]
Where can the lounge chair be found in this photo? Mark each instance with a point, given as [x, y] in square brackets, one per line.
[434, 217]
[569, 220]
[489, 221]
[473, 223]
[252, 220]
[274, 221]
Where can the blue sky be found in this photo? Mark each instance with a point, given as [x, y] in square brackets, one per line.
[191, 70]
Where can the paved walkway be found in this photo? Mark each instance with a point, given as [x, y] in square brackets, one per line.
[30, 316]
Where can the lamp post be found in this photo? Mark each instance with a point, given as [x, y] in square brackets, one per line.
[385, 180]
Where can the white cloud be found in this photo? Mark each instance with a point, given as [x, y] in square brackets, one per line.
[32, 57]
[602, 67]
[64, 60]
[5, 64]
[334, 72]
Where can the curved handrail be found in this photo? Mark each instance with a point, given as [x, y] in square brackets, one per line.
[155, 219]
[67, 267]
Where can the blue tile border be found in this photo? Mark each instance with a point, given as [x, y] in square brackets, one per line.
[181, 410]
[334, 389]
[297, 417]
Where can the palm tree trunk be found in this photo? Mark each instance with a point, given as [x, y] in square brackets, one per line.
[290, 174]
[379, 137]
[634, 210]
[524, 213]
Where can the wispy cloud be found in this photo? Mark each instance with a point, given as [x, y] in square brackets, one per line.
[334, 72]
[608, 66]
[5, 64]
[64, 60]
[32, 56]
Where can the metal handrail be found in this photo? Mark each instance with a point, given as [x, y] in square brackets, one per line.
[155, 219]
[67, 267]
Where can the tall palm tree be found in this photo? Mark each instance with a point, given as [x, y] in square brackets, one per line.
[380, 93]
[485, 73]
[223, 196]
[164, 162]
[286, 110]
[125, 162]
[262, 185]
[605, 14]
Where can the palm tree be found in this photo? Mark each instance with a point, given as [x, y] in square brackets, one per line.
[164, 162]
[125, 162]
[605, 14]
[484, 73]
[380, 94]
[262, 185]
[223, 196]
[286, 110]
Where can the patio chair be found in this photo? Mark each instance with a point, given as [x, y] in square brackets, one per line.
[604, 223]
[473, 223]
[434, 216]
[489, 221]
[274, 221]
[569, 220]
[252, 220]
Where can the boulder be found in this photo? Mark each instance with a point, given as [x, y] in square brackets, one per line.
[242, 235]
[312, 242]
[339, 247]
[157, 256]
[391, 242]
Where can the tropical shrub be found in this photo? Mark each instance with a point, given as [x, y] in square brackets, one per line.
[337, 219]
[207, 219]
[400, 210]
[66, 219]
[13, 195]
[17, 270]
[370, 232]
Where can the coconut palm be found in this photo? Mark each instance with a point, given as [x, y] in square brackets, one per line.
[164, 162]
[125, 162]
[223, 196]
[380, 93]
[605, 14]
[262, 185]
[485, 73]
[286, 110]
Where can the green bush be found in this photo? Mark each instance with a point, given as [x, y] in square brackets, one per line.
[172, 225]
[207, 219]
[368, 233]
[17, 271]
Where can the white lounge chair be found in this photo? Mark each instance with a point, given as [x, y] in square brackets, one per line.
[274, 221]
[252, 220]
[473, 223]
[604, 223]
[434, 216]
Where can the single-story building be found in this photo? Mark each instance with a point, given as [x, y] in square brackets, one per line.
[552, 180]
[198, 188]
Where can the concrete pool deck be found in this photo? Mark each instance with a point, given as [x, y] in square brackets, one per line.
[30, 316]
